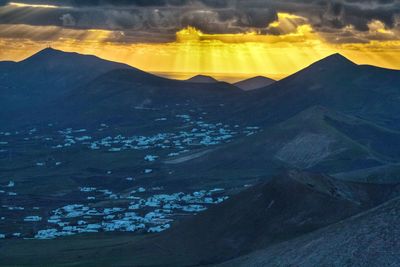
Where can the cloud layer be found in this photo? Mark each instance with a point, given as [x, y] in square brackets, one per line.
[339, 21]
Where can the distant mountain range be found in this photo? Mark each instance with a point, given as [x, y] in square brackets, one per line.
[246, 85]
[333, 116]
[63, 82]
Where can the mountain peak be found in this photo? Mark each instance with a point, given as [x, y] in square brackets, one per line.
[49, 51]
[334, 62]
[336, 59]
[57, 60]
[48, 54]
[54, 57]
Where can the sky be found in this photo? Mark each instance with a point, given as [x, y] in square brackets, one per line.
[228, 39]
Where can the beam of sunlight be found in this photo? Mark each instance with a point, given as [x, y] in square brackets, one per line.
[16, 4]
[291, 45]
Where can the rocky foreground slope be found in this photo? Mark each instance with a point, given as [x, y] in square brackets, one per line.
[367, 239]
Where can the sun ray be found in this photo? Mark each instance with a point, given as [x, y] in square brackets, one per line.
[16, 4]
[291, 45]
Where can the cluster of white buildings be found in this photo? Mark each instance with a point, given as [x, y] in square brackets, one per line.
[141, 210]
[144, 212]
[197, 133]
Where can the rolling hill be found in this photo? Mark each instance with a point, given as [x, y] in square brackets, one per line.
[254, 83]
[202, 79]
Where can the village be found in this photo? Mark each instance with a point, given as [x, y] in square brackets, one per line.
[141, 210]
[193, 133]
[104, 209]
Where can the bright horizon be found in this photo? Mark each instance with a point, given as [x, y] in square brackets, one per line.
[227, 77]
[287, 44]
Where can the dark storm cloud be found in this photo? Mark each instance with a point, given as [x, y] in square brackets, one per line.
[360, 13]
[165, 17]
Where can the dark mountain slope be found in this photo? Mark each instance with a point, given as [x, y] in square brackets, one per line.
[280, 209]
[367, 239]
[121, 94]
[33, 84]
[385, 174]
[334, 82]
[5, 65]
[51, 72]
[284, 207]
[151, 86]
[316, 139]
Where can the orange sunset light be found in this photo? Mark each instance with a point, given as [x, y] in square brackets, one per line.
[237, 55]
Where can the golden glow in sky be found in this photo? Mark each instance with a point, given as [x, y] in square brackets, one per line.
[288, 45]
[32, 5]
